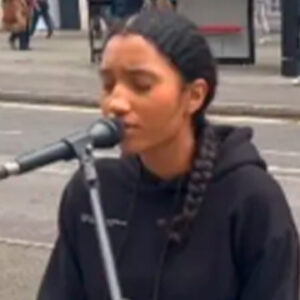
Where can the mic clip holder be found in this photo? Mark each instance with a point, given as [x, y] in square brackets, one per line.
[83, 149]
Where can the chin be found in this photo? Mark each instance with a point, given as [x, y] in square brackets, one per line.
[132, 148]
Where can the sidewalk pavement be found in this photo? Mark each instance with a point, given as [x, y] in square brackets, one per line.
[58, 71]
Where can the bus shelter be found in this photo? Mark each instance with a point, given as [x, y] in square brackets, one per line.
[227, 25]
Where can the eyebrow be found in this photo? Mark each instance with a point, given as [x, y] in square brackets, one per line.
[132, 70]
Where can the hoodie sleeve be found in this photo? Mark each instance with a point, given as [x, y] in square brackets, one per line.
[62, 279]
[266, 244]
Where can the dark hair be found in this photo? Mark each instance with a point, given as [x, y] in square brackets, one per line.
[180, 41]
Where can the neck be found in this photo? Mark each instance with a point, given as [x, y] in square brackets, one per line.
[173, 158]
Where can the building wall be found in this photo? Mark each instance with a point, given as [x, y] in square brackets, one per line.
[79, 8]
[69, 14]
[83, 9]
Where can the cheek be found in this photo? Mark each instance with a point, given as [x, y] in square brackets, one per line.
[160, 117]
[103, 106]
[162, 106]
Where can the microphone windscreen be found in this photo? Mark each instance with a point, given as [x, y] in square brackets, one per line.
[106, 132]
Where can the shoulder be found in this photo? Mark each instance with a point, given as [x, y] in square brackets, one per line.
[261, 222]
[260, 187]
[260, 206]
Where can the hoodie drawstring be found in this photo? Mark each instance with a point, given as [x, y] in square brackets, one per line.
[163, 254]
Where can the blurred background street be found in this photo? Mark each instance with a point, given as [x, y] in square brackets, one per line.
[52, 90]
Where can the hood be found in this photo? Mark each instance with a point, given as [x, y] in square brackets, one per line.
[236, 150]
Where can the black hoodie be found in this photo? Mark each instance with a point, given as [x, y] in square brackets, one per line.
[244, 245]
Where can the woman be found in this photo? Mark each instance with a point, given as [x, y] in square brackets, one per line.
[191, 210]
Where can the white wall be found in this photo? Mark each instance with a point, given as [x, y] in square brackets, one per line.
[83, 14]
[54, 11]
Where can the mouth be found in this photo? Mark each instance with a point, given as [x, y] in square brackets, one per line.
[130, 128]
[129, 125]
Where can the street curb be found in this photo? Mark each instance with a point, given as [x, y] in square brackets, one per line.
[47, 98]
[254, 110]
[226, 109]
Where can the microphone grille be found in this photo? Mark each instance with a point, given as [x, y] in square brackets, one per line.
[106, 132]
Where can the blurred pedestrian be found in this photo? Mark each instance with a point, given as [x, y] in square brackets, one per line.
[160, 4]
[164, 4]
[262, 21]
[191, 208]
[275, 5]
[174, 3]
[16, 19]
[42, 10]
[126, 8]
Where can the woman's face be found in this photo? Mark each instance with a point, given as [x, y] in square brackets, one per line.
[140, 87]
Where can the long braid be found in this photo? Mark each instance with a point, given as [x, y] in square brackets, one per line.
[179, 40]
[180, 226]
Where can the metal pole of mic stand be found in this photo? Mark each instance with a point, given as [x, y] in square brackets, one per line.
[84, 152]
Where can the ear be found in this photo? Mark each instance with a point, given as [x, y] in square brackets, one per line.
[197, 91]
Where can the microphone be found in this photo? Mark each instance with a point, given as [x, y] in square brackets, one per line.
[104, 133]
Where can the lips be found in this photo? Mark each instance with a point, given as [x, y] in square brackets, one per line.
[130, 128]
[129, 125]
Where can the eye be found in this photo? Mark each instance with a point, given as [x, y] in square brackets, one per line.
[107, 80]
[141, 84]
[108, 85]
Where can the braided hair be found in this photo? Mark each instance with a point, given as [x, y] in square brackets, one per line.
[179, 40]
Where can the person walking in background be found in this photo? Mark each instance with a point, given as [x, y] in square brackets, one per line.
[42, 10]
[261, 20]
[16, 19]
[126, 8]
[275, 5]
[160, 4]
[174, 3]
[164, 4]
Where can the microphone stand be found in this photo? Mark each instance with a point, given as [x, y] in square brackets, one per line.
[84, 152]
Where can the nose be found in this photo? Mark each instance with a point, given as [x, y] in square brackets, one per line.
[116, 104]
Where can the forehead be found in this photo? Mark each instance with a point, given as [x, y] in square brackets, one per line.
[129, 50]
